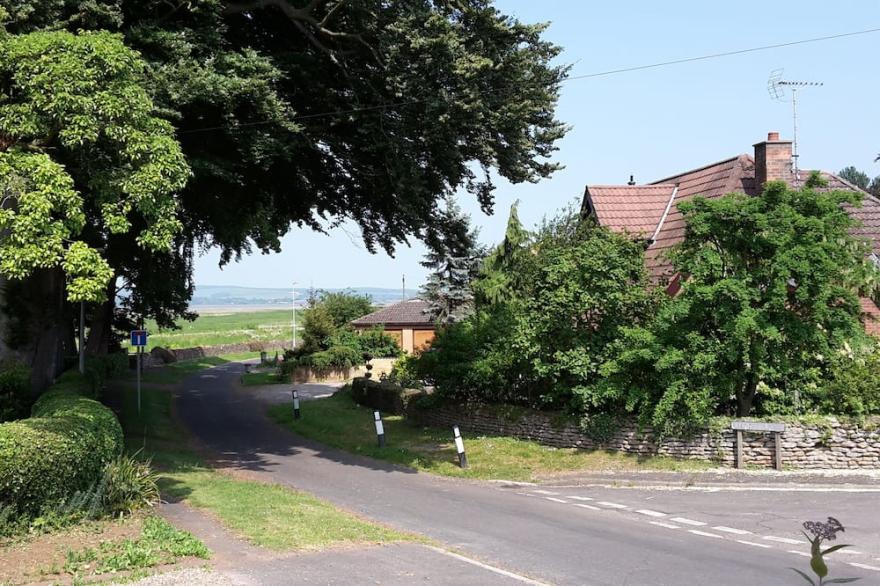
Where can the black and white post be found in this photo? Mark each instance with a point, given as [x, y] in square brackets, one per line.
[380, 429]
[459, 447]
[295, 404]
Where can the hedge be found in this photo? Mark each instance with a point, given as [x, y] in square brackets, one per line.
[385, 396]
[61, 449]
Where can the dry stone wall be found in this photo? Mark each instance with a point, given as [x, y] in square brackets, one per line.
[202, 351]
[831, 444]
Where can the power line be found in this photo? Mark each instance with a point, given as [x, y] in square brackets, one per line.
[572, 78]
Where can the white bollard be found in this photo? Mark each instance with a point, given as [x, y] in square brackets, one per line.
[295, 404]
[459, 447]
[380, 429]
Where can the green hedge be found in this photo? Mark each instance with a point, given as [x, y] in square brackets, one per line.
[387, 397]
[61, 449]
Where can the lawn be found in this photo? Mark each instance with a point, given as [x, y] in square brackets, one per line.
[340, 422]
[224, 328]
[268, 515]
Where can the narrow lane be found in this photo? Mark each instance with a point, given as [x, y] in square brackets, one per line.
[548, 540]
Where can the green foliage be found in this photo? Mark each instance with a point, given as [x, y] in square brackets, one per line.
[318, 327]
[600, 427]
[858, 178]
[15, 391]
[61, 449]
[334, 358]
[386, 396]
[772, 287]
[129, 485]
[501, 275]
[405, 372]
[83, 153]
[853, 385]
[344, 306]
[374, 342]
[454, 256]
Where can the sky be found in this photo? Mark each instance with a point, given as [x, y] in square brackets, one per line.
[651, 123]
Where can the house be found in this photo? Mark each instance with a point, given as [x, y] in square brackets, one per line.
[650, 212]
[408, 322]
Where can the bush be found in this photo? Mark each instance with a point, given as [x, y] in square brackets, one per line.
[405, 372]
[101, 368]
[854, 385]
[335, 358]
[61, 449]
[378, 343]
[128, 485]
[15, 391]
[385, 396]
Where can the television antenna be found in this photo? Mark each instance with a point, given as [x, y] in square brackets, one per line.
[776, 87]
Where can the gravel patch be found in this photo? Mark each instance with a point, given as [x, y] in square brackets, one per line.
[191, 577]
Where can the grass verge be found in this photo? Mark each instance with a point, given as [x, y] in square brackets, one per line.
[224, 328]
[177, 371]
[269, 377]
[268, 515]
[340, 422]
[159, 544]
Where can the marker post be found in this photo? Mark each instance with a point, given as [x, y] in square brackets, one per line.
[459, 447]
[295, 394]
[380, 429]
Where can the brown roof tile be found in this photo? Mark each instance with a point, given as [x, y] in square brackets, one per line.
[412, 312]
[636, 209]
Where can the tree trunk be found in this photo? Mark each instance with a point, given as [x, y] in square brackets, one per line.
[746, 394]
[101, 328]
[46, 351]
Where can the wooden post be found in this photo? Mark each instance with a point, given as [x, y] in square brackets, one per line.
[739, 448]
[777, 442]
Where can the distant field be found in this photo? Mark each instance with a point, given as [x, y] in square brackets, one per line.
[233, 327]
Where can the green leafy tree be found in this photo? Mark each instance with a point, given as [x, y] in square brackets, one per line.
[858, 178]
[772, 286]
[345, 306]
[290, 113]
[82, 154]
[454, 256]
[503, 270]
[588, 283]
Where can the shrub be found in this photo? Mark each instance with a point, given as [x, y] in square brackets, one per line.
[128, 485]
[385, 396]
[854, 385]
[405, 372]
[101, 368]
[61, 449]
[335, 358]
[378, 343]
[15, 391]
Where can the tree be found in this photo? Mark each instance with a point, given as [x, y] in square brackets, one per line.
[345, 306]
[83, 161]
[454, 256]
[771, 287]
[502, 271]
[291, 113]
[588, 283]
[856, 177]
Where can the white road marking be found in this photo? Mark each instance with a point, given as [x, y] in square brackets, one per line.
[802, 553]
[704, 534]
[667, 525]
[744, 542]
[651, 513]
[731, 530]
[850, 551]
[580, 498]
[686, 521]
[782, 539]
[544, 492]
[492, 569]
[556, 500]
[612, 505]
[864, 566]
[591, 507]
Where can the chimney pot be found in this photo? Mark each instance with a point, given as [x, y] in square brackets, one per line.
[773, 160]
[772, 136]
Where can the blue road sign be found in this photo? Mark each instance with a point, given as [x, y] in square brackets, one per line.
[139, 337]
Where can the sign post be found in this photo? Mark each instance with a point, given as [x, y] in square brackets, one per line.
[777, 429]
[139, 340]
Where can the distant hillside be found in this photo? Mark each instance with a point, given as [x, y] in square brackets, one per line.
[233, 295]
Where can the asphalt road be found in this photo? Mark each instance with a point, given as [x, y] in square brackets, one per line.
[553, 534]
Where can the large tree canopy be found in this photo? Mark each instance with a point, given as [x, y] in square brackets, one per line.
[81, 155]
[314, 112]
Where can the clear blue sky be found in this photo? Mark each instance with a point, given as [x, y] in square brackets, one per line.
[648, 123]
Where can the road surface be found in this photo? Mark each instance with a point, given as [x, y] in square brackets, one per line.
[551, 534]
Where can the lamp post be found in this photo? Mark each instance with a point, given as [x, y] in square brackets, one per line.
[293, 297]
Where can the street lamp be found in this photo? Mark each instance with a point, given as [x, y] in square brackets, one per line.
[293, 309]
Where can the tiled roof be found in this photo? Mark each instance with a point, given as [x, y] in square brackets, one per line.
[636, 209]
[412, 312]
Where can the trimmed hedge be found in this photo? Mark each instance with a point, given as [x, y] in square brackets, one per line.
[385, 396]
[61, 449]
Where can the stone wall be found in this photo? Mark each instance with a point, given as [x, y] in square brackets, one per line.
[380, 366]
[829, 445]
[201, 351]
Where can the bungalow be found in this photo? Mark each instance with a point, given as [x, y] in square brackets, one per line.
[651, 211]
[408, 322]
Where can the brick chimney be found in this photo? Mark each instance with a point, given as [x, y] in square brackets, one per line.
[773, 160]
